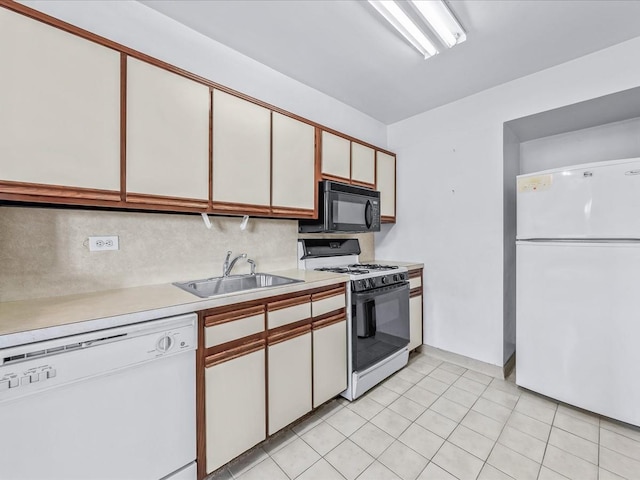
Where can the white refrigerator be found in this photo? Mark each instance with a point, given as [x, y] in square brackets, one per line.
[578, 286]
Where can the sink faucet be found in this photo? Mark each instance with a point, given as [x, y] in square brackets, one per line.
[227, 266]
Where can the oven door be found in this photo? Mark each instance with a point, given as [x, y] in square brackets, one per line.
[348, 212]
[380, 324]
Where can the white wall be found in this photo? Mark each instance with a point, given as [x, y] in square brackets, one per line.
[139, 27]
[450, 194]
[596, 144]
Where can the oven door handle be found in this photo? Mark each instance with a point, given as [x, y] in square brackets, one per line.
[371, 319]
[359, 297]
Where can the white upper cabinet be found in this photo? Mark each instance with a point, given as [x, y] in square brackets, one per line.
[167, 133]
[386, 184]
[241, 151]
[363, 164]
[336, 156]
[293, 163]
[59, 107]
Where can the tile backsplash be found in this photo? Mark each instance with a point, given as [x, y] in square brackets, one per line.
[44, 251]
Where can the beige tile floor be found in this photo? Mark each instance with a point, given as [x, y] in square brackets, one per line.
[436, 420]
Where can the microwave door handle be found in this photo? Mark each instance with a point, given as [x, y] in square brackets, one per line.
[368, 214]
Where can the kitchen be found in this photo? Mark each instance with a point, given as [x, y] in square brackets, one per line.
[468, 193]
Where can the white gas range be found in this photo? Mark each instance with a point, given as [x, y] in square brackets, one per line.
[377, 310]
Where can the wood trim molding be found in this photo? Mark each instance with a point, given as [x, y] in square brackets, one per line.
[288, 334]
[148, 199]
[201, 421]
[235, 344]
[210, 147]
[211, 320]
[278, 331]
[239, 208]
[387, 219]
[60, 191]
[230, 354]
[123, 127]
[330, 320]
[289, 302]
[415, 292]
[333, 292]
[289, 211]
[415, 273]
[335, 178]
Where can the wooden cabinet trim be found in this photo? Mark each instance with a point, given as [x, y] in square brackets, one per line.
[61, 191]
[229, 316]
[234, 344]
[230, 354]
[288, 302]
[292, 212]
[415, 273]
[123, 126]
[163, 200]
[387, 219]
[201, 431]
[416, 292]
[333, 292]
[329, 319]
[289, 333]
[327, 176]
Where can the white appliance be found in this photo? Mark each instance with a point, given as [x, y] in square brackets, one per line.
[578, 278]
[111, 404]
[377, 310]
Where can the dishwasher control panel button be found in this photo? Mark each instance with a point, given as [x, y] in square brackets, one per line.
[164, 344]
[14, 382]
[25, 380]
[51, 373]
[4, 385]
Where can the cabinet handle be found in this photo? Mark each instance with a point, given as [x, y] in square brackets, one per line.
[230, 354]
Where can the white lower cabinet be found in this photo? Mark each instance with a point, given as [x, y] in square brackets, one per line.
[234, 407]
[289, 381]
[415, 322]
[329, 361]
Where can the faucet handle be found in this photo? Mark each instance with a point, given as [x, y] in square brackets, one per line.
[253, 266]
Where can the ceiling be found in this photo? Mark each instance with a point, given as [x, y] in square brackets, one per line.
[345, 49]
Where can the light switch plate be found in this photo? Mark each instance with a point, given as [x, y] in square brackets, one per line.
[105, 242]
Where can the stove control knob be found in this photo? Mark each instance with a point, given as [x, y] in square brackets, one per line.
[164, 344]
[385, 280]
[396, 278]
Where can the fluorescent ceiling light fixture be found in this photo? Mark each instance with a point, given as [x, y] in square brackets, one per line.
[401, 22]
[436, 13]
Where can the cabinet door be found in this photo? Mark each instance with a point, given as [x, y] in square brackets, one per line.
[336, 156]
[415, 322]
[167, 134]
[329, 361]
[363, 165]
[234, 407]
[386, 184]
[289, 380]
[59, 108]
[241, 151]
[293, 164]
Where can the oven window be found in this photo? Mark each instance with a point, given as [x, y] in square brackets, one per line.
[380, 324]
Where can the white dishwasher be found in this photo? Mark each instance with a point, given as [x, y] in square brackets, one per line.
[116, 404]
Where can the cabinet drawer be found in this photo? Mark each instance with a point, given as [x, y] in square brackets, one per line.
[288, 311]
[415, 282]
[328, 304]
[233, 330]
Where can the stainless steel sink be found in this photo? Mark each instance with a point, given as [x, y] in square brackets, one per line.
[210, 287]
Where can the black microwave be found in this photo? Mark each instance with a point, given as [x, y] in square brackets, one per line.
[344, 208]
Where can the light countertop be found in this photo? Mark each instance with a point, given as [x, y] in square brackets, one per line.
[34, 320]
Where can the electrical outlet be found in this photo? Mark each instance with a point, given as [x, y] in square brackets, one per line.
[105, 242]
